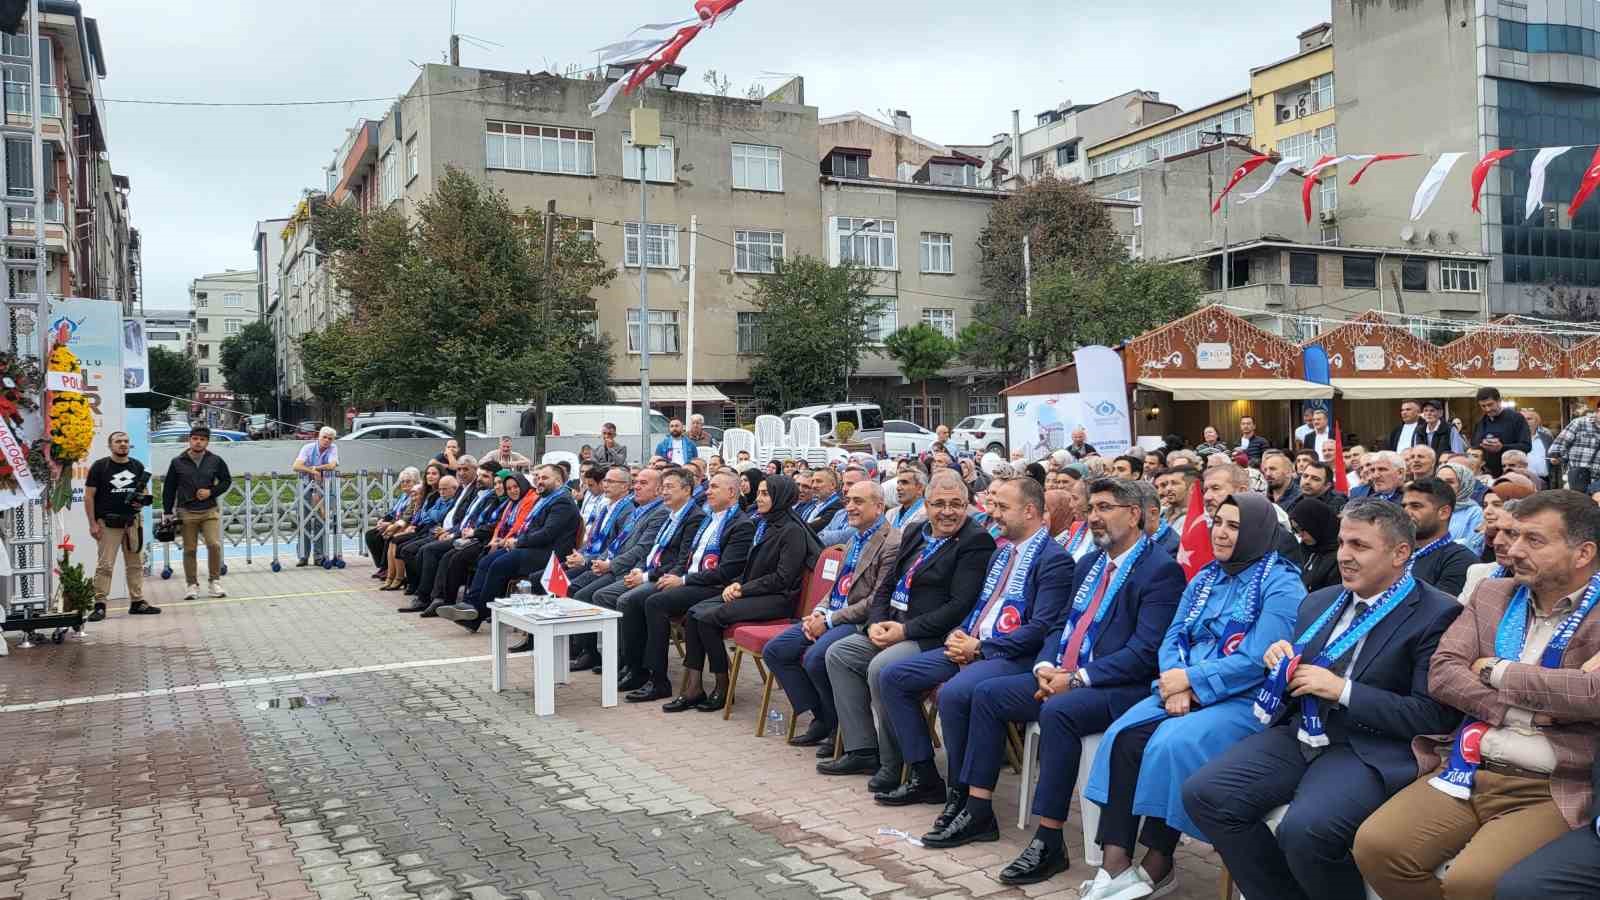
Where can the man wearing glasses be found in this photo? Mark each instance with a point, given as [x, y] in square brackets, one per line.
[610, 453]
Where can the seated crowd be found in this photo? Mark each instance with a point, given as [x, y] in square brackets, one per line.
[1393, 686]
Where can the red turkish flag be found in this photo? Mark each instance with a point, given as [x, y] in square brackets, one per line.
[1381, 157]
[1481, 172]
[1311, 181]
[1591, 180]
[1341, 478]
[1245, 168]
[554, 578]
[1194, 545]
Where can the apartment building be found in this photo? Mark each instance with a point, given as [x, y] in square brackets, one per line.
[170, 329]
[89, 240]
[888, 150]
[223, 303]
[1295, 116]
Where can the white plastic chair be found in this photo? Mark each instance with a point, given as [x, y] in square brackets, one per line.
[552, 457]
[1088, 810]
[804, 432]
[770, 432]
[735, 440]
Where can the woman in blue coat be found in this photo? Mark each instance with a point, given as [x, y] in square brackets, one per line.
[1210, 661]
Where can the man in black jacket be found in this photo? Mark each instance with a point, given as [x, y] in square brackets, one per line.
[1340, 723]
[1498, 431]
[477, 491]
[195, 479]
[716, 553]
[1439, 561]
[1251, 443]
[1409, 432]
[938, 576]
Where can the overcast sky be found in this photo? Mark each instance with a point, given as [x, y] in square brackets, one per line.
[201, 177]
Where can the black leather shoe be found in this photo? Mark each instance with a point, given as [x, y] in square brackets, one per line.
[682, 704]
[415, 607]
[141, 608]
[825, 749]
[818, 733]
[858, 762]
[649, 693]
[432, 612]
[887, 778]
[633, 680]
[918, 788]
[962, 830]
[954, 802]
[525, 647]
[714, 702]
[1035, 864]
[584, 661]
[98, 615]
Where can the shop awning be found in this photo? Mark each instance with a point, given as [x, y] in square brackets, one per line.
[1512, 388]
[1239, 388]
[1401, 388]
[668, 393]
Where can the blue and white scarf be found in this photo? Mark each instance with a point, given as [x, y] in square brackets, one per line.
[599, 535]
[668, 531]
[839, 596]
[1086, 591]
[1162, 532]
[713, 553]
[1244, 616]
[905, 514]
[621, 537]
[1435, 546]
[901, 598]
[539, 507]
[1509, 638]
[1013, 601]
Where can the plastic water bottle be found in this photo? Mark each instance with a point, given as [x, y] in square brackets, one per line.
[775, 721]
[524, 591]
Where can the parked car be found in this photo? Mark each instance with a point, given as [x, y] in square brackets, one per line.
[403, 432]
[181, 435]
[981, 434]
[261, 427]
[585, 420]
[372, 419]
[902, 438]
[866, 417]
[306, 431]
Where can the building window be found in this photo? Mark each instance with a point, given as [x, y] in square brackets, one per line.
[752, 337]
[848, 165]
[540, 148]
[663, 331]
[203, 325]
[200, 299]
[1329, 234]
[205, 351]
[1360, 272]
[938, 254]
[205, 375]
[1458, 277]
[232, 326]
[1066, 156]
[1239, 120]
[942, 319]
[757, 251]
[930, 416]
[583, 228]
[660, 245]
[1309, 146]
[1303, 268]
[390, 177]
[757, 167]
[1036, 166]
[1322, 92]
[867, 242]
[1414, 275]
[1328, 189]
[983, 405]
[235, 301]
[888, 320]
[18, 96]
[411, 159]
[658, 164]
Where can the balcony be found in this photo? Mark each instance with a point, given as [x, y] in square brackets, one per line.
[19, 215]
[19, 102]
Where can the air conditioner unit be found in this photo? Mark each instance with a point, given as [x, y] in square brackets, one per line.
[1300, 108]
[1285, 114]
[1330, 216]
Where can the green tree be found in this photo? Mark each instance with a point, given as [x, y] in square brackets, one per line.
[172, 374]
[817, 320]
[323, 363]
[922, 352]
[1107, 306]
[589, 380]
[1068, 229]
[449, 310]
[249, 364]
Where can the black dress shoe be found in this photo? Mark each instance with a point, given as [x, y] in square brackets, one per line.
[378, 574]
[525, 647]
[963, 830]
[954, 802]
[432, 612]
[1036, 863]
[633, 680]
[919, 788]
[681, 704]
[585, 660]
[141, 608]
[825, 749]
[818, 733]
[714, 702]
[856, 762]
[98, 615]
[887, 778]
[415, 607]
[649, 693]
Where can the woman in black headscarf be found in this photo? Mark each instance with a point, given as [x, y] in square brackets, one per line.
[1036, 472]
[784, 551]
[749, 481]
[1318, 530]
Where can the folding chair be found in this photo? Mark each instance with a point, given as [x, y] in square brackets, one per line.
[752, 637]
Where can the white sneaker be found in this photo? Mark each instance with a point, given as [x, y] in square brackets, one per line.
[1166, 886]
[217, 589]
[1132, 884]
[1090, 890]
[192, 592]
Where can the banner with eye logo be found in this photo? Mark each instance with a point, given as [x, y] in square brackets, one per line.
[1040, 424]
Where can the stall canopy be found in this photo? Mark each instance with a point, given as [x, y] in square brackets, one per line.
[1371, 358]
[1583, 360]
[668, 393]
[1519, 361]
[1212, 354]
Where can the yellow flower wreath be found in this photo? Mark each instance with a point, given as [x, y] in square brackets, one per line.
[71, 421]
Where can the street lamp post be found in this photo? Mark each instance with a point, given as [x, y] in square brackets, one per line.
[865, 224]
[646, 125]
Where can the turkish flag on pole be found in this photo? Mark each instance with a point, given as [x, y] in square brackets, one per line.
[1481, 172]
[1591, 180]
[554, 578]
[1245, 168]
[1381, 157]
[1194, 545]
[1341, 478]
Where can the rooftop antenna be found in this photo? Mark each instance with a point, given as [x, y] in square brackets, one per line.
[455, 39]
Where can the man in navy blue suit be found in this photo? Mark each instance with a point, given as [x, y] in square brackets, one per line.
[1021, 604]
[1096, 665]
[1342, 705]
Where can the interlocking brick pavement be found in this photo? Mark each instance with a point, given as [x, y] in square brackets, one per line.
[418, 781]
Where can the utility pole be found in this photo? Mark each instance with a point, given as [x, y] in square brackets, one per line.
[549, 291]
[646, 125]
[1027, 293]
[1217, 135]
[455, 49]
[688, 379]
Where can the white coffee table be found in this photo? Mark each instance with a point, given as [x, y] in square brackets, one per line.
[549, 634]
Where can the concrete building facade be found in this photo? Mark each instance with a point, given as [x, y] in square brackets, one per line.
[223, 303]
[892, 150]
[170, 329]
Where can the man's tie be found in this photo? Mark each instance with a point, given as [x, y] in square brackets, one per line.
[1069, 660]
[1340, 666]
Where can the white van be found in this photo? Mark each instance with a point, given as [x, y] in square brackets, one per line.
[866, 417]
[586, 422]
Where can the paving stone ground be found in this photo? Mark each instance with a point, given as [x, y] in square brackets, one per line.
[417, 780]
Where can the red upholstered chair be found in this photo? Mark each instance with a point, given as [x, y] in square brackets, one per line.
[752, 637]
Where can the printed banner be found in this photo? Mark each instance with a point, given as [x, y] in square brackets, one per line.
[135, 357]
[16, 456]
[94, 332]
[1043, 423]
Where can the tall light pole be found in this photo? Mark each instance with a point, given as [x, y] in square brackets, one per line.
[1217, 135]
[646, 125]
[865, 224]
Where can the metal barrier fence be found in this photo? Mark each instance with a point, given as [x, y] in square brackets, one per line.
[273, 516]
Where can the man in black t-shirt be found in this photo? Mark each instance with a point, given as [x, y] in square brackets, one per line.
[113, 495]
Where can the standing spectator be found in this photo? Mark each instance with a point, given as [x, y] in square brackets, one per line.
[1283, 488]
[1320, 434]
[448, 455]
[316, 465]
[1437, 433]
[1541, 439]
[528, 423]
[676, 448]
[1080, 446]
[113, 495]
[1408, 433]
[1305, 429]
[1317, 484]
[503, 457]
[1212, 443]
[195, 479]
[1577, 448]
[1498, 431]
[1251, 443]
[610, 453]
[697, 431]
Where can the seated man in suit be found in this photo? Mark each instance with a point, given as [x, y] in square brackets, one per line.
[1517, 774]
[1343, 704]
[457, 523]
[798, 656]
[938, 573]
[1022, 601]
[717, 553]
[1567, 868]
[819, 512]
[630, 535]
[671, 548]
[1439, 561]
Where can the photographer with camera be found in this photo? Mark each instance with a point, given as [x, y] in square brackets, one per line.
[113, 496]
[196, 480]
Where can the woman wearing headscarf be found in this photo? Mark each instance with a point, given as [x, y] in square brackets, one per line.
[1211, 666]
[456, 566]
[1466, 521]
[783, 551]
[1318, 529]
[749, 482]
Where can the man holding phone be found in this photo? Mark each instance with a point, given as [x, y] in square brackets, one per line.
[113, 495]
[195, 479]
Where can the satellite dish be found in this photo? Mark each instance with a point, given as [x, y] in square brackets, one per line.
[1408, 234]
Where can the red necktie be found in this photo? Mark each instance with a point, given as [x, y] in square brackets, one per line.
[1069, 660]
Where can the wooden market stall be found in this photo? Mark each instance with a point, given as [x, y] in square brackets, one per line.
[1529, 369]
[1583, 362]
